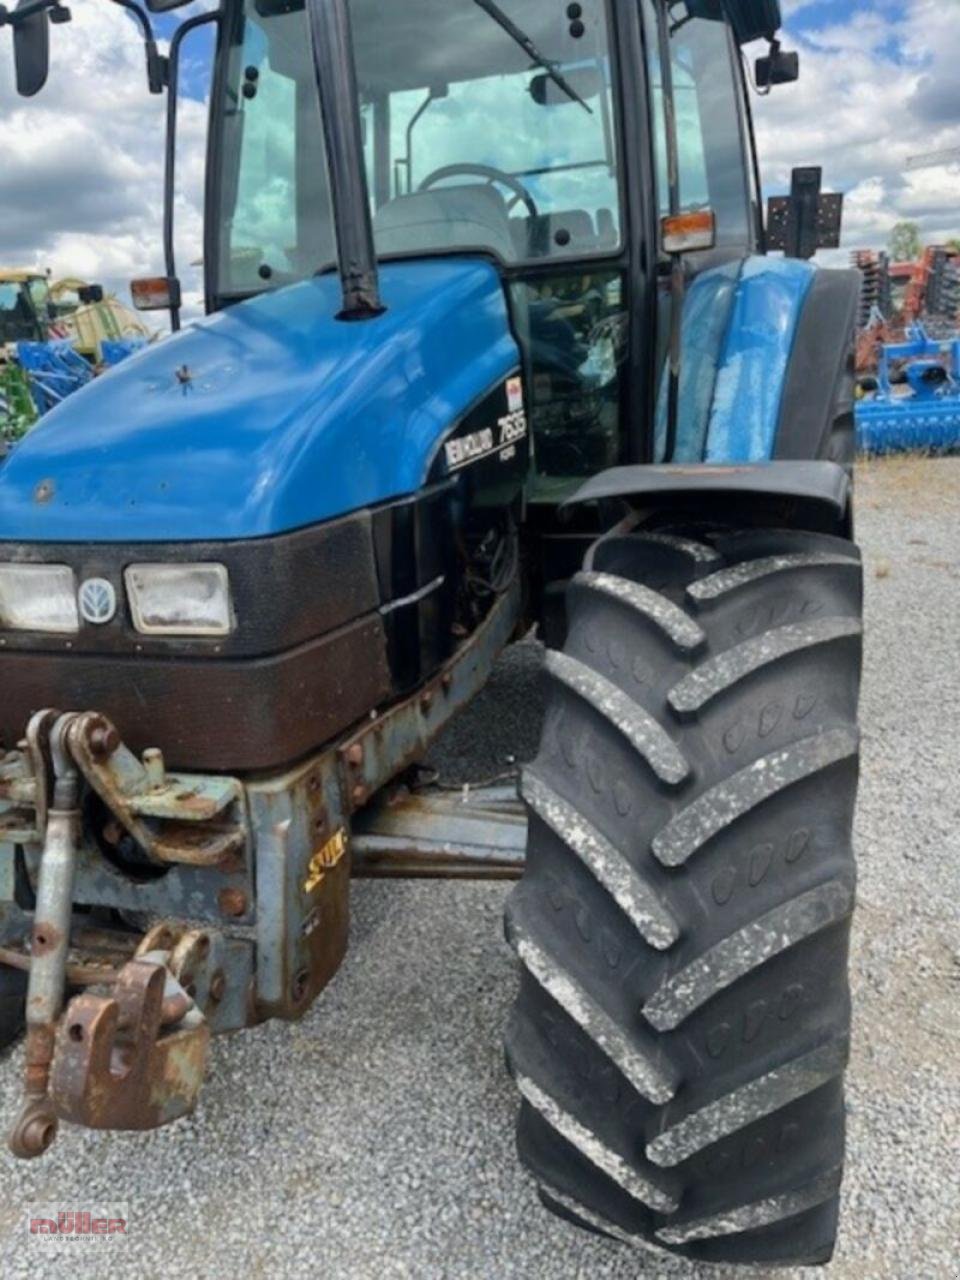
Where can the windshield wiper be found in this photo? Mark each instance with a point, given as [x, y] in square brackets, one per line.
[526, 44]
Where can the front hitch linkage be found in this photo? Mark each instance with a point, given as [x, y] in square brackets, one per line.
[36, 1125]
[132, 1058]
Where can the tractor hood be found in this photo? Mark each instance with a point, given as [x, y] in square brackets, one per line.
[268, 416]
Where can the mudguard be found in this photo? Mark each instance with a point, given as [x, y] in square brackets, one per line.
[818, 395]
[801, 495]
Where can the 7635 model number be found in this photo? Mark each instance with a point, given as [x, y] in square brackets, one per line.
[501, 439]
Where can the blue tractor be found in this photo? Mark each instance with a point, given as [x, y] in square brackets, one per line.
[492, 340]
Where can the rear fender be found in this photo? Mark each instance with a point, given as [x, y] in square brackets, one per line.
[815, 496]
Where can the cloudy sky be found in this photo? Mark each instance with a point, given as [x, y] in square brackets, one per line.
[80, 175]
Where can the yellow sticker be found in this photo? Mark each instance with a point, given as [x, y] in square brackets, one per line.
[325, 858]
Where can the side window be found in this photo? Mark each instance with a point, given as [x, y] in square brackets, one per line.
[713, 164]
[277, 222]
[263, 127]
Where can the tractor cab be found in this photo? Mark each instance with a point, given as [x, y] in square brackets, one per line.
[25, 310]
[551, 139]
[511, 132]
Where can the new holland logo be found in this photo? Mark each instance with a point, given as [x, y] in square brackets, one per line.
[98, 601]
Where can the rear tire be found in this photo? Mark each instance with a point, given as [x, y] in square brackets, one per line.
[683, 1021]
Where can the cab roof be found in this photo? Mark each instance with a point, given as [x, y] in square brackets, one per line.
[754, 19]
[19, 275]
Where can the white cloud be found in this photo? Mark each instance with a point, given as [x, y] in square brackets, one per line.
[873, 92]
[81, 180]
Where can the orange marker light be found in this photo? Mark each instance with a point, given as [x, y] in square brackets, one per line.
[688, 232]
[155, 293]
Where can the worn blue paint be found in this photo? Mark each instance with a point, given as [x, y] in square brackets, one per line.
[766, 310]
[288, 416]
[706, 318]
[739, 326]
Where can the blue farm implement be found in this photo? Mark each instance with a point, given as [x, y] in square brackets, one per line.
[921, 411]
[53, 339]
[493, 341]
[37, 376]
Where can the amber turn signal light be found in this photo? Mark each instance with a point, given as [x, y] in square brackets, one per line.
[155, 293]
[688, 232]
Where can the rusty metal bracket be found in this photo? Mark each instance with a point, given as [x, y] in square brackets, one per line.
[95, 956]
[26, 783]
[175, 818]
[468, 833]
[383, 747]
[133, 1059]
[195, 957]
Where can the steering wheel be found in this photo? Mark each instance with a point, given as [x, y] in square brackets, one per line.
[520, 192]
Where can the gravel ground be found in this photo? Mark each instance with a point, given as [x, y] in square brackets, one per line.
[375, 1138]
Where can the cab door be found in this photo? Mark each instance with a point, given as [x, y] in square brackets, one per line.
[716, 172]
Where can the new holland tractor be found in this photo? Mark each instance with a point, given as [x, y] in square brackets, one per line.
[492, 340]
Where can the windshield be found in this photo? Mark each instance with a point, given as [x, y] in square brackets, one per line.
[21, 305]
[486, 126]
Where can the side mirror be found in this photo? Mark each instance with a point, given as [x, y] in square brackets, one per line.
[776, 68]
[90, 293]
[31, 50]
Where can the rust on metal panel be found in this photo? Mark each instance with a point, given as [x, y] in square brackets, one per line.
[406, 865]
[326, 926]
[175, 818]
[232, 901]
[469, 833]
[46, 938]
[325, 859]
[384, 747]
[26, 783]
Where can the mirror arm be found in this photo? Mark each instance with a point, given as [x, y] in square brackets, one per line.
[14, 17]
[158, 67]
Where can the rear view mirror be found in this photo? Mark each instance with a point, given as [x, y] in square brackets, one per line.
[31, 50]
[777, 68]
[90, 293]
[585, 81]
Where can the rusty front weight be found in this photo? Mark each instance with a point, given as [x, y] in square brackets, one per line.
[135, 1057]
[36, 1125]
[118, 1066]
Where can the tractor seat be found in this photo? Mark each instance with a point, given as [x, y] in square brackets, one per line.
[464, 217]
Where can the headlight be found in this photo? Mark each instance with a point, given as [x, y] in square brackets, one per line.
[38, 597]
[180, 599]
